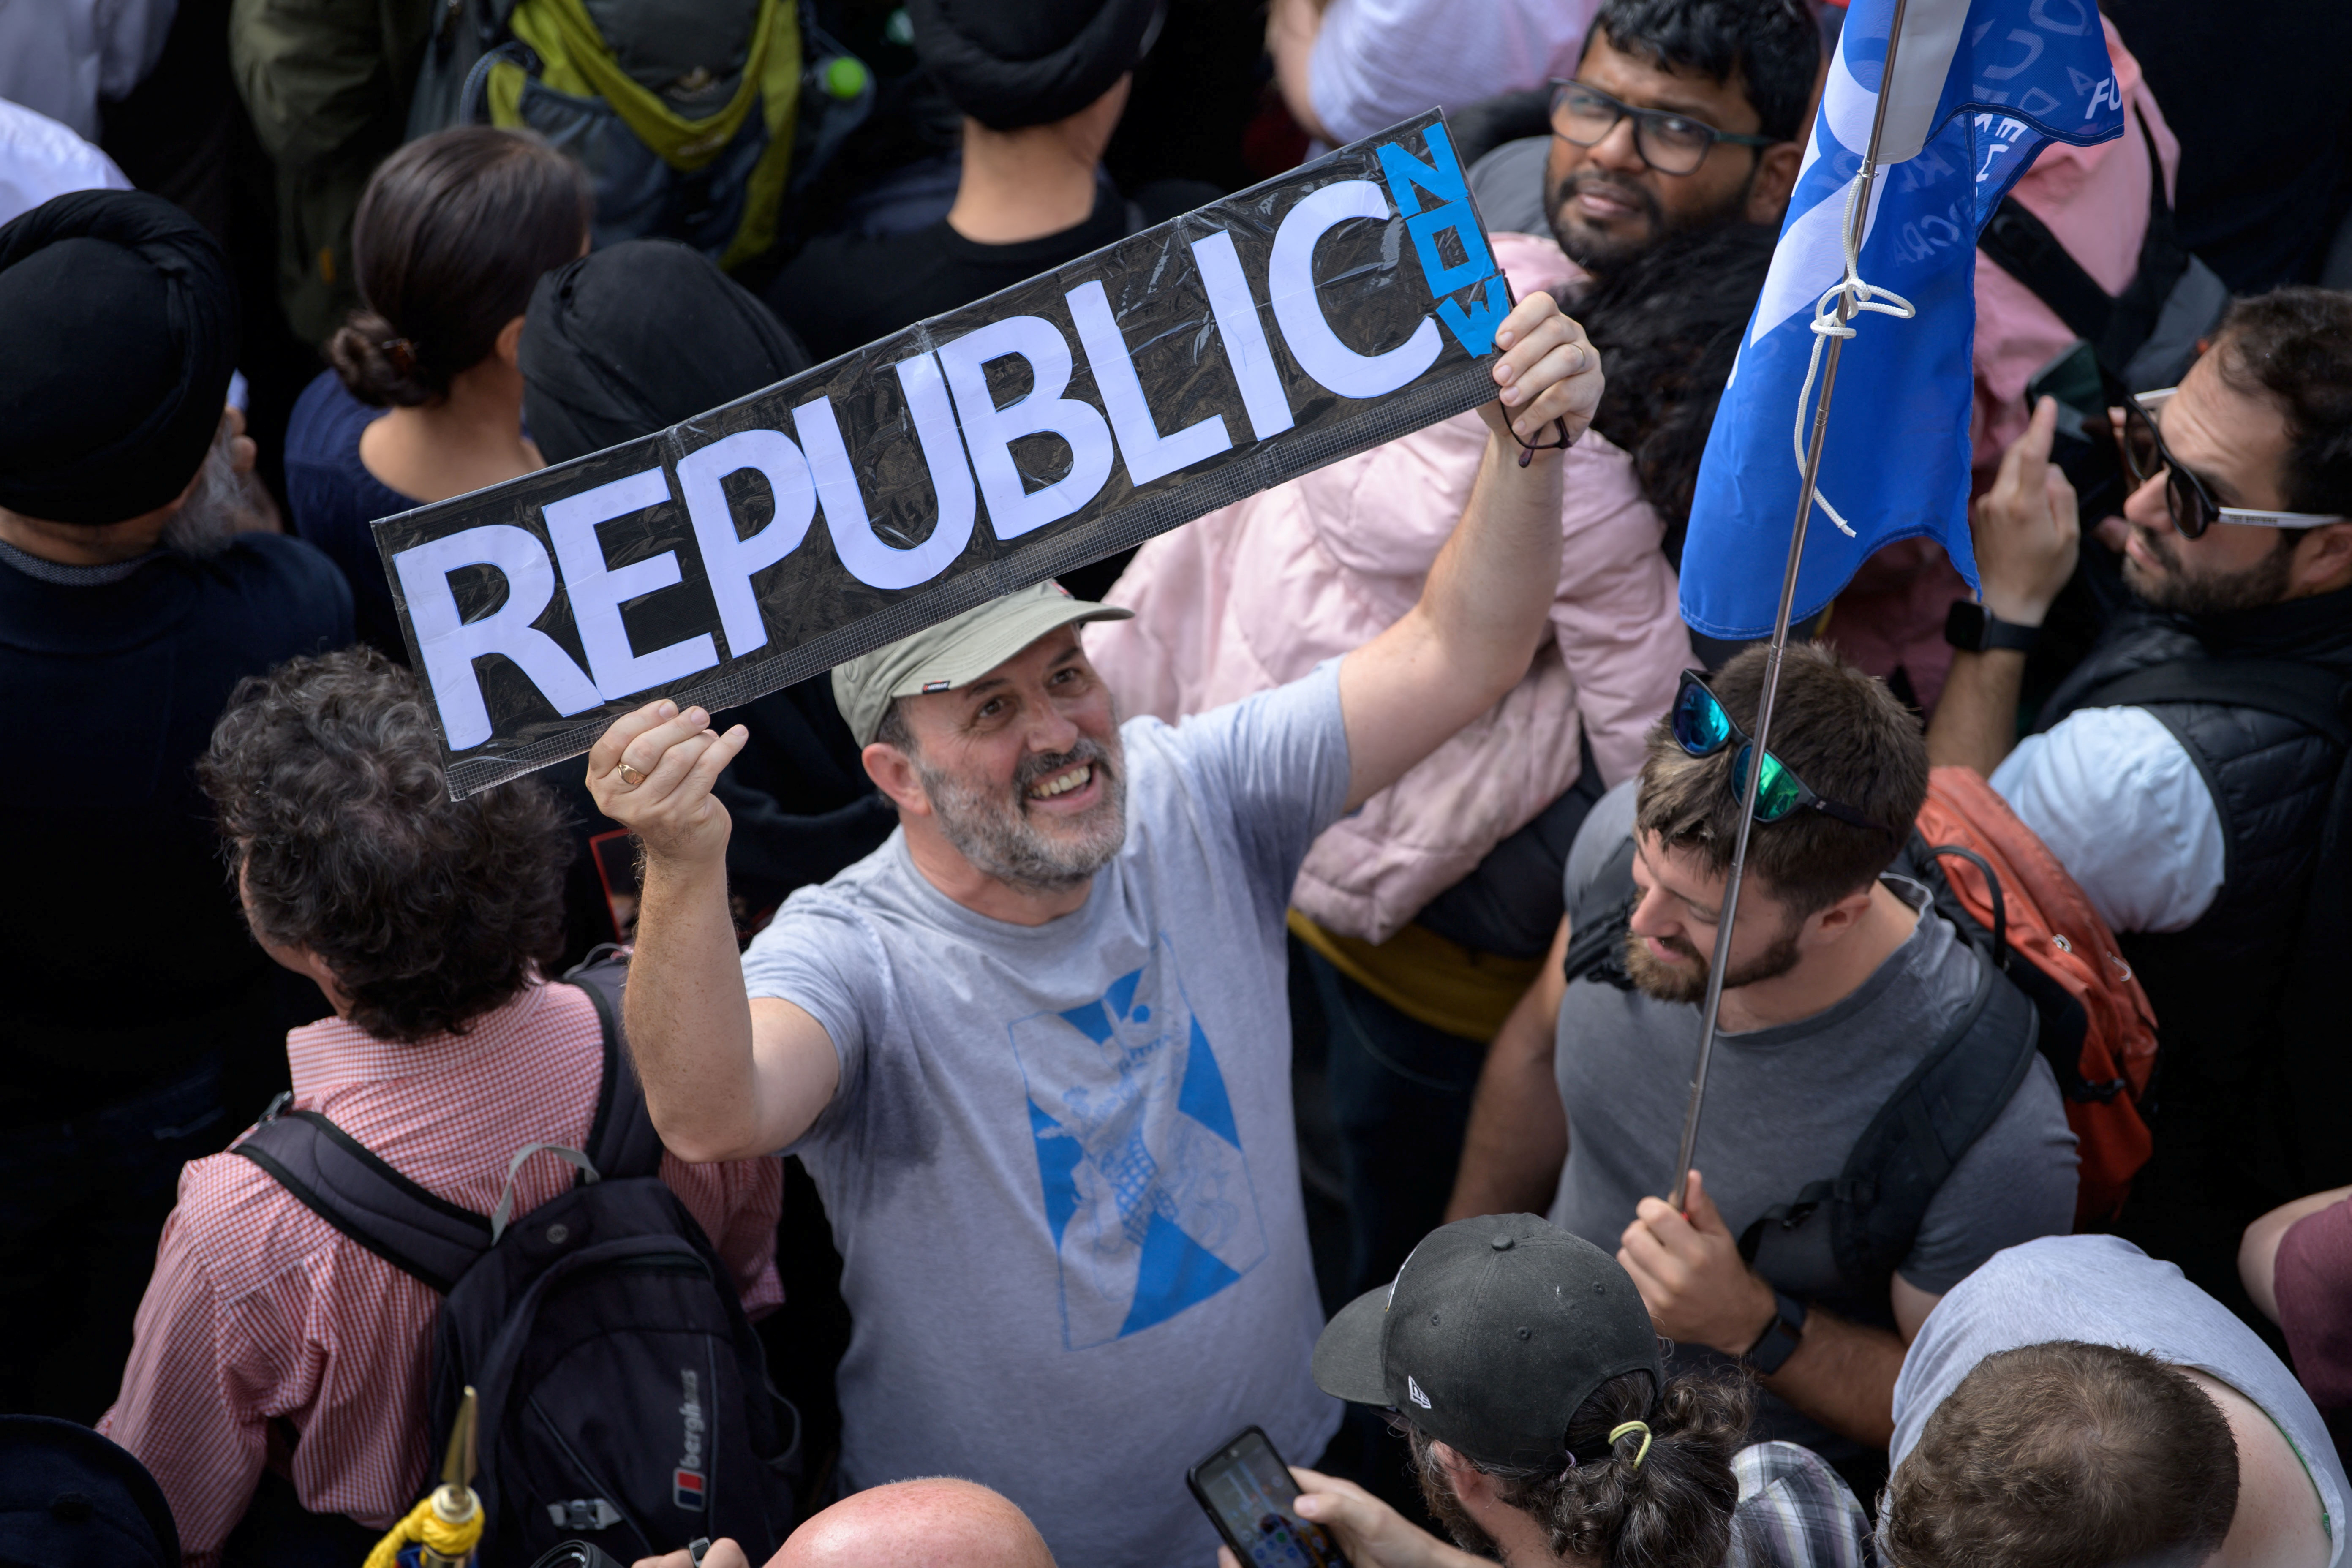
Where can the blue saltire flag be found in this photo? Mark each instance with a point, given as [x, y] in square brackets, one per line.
[1980, 86]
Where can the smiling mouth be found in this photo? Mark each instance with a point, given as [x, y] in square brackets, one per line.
[1062, 784]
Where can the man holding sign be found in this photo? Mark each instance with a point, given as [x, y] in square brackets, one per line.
[1035, 1048]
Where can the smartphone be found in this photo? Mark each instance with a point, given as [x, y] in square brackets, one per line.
[1250, 1497]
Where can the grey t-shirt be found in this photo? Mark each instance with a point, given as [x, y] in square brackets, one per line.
[1784, 1106]
[2103, 1291]
[1061, 1167]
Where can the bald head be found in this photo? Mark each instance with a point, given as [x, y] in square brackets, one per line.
[937, 1523]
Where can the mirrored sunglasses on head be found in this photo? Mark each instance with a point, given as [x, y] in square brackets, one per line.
[1702, 729]
[2186, 500]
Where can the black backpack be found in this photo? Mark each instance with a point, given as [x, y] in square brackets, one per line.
[2147, 334]
[1841, 1239]
[623, 1396]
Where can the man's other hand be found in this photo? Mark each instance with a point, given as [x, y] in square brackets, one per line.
[1372, 1533]
[1548, 371]
[2025, 528]
[1691, 1276]
[652, 772]
[723, 1553]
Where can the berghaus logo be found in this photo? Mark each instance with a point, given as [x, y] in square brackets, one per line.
[687, 1485]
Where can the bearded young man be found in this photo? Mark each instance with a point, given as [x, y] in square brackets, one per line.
[1035, 1049]
[2196, 821]
[1842, 979]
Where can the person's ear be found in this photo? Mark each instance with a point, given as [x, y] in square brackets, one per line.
[1829, 924]
[1468, 1482]
[509, 345]
[2323, 561]
[1776, 177]
[893, 773]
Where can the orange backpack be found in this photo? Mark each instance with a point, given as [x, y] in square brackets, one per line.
[2098, 1029]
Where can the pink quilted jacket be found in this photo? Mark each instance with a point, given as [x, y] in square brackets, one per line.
[1261, 592]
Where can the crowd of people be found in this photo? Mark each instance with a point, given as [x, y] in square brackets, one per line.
[1250, 983]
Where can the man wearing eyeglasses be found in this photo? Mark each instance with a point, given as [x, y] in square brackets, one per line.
[1842, 979]
[2183, 773]
[1679, 117]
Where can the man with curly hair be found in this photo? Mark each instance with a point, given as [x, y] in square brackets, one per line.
[279, 1367]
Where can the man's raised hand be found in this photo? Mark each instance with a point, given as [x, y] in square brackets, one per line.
[652, 772]
[1548, 371]
[2024, 529]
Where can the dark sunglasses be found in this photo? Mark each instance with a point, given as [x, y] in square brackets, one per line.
[1702, 729]
[2187, 501]
[1670, 143]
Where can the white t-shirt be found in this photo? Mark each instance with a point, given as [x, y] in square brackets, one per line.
[1376, 61]
[1061, 1166]
[2103, 1291]
[2120, 802]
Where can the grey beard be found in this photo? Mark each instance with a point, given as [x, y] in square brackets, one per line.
[993, 833]
[222, 504]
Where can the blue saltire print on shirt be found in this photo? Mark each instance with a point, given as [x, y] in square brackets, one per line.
[1147, 1192]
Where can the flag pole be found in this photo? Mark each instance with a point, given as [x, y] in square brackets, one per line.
[1712, 1008]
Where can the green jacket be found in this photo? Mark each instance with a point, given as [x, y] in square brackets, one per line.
[326, 82]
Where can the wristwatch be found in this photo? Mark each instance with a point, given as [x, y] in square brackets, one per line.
[1972, 629]
[1781, 1337]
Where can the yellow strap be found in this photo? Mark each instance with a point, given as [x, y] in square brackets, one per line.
[1614, 1433]
[562, 28]
[423, 1524]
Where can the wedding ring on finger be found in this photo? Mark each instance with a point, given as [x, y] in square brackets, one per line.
[630, 776]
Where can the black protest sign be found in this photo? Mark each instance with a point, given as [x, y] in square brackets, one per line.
[1325, 311]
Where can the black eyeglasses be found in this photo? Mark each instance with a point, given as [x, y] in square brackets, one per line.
[2187, 501]
[1670, 143]
[1702, 729]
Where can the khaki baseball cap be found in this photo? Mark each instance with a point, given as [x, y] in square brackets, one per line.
[956, 652]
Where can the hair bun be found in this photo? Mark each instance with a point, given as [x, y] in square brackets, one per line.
[379, 365]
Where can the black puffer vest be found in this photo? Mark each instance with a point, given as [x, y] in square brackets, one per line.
[2217, 985]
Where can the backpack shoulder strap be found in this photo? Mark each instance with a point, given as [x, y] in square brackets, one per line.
[622, 1141]
[1596, 925]
[1903, 1155]
[2306, 693]
[2114, 325]
[2022, 246]
[338, 1178]
[1933, 1117]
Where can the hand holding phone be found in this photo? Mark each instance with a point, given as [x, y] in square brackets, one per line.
[1249, 1495]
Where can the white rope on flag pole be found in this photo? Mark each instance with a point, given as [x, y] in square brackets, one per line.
[1832, 316]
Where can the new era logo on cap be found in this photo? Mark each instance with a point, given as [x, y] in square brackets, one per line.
[1413, 1388]
[931, 686]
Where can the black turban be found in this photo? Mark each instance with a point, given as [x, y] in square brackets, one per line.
[635, 338]
[1011, 63]
[118, 337]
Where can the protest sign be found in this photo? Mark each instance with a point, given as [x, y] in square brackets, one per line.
[1335, 307]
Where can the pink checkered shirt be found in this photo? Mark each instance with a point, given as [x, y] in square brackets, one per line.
[260, 1310]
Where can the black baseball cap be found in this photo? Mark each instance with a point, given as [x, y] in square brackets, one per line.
[1494, 1333]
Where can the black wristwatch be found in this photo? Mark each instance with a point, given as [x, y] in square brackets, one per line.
[1972, 629]
[1781, 1337]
